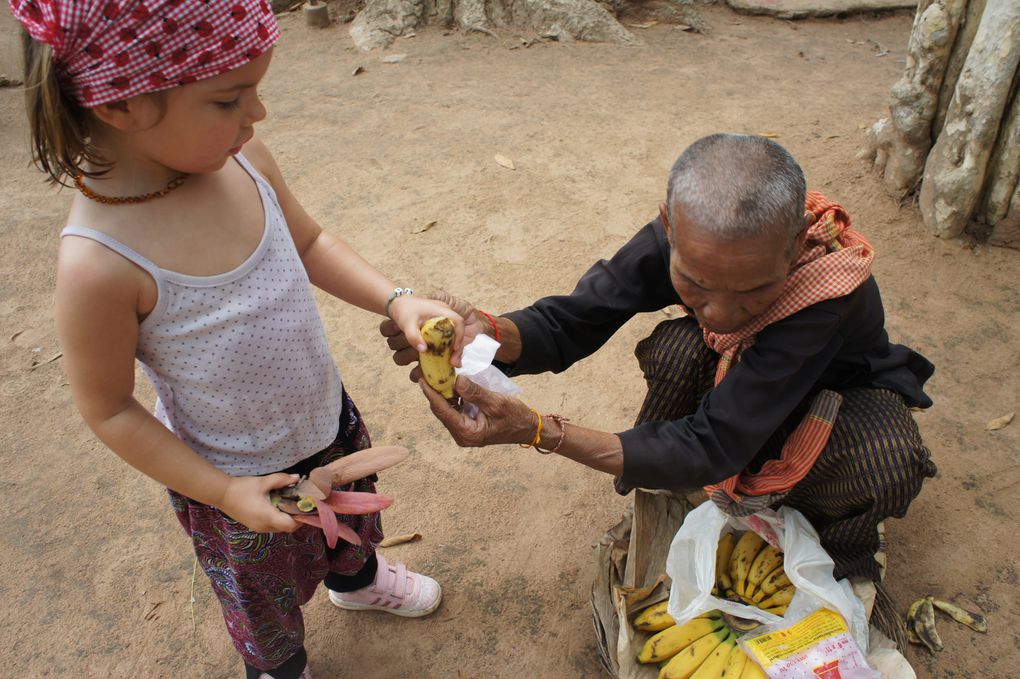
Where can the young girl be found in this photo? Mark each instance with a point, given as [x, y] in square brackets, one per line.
[196, 259]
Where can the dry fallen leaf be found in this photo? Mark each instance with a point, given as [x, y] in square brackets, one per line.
[423, 228]
[646, 24]
[1000, 422]
[505, 162]
[48, 360]
[768, 135]
[15, 335]
[400, 539]
[357, 70]
[151, 614]
[393, 58]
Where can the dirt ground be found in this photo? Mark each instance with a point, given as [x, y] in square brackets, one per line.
[98, 574]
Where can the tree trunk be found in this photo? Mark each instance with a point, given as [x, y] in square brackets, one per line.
[382, 21]
[954, 174]
[953, 132]
[900, 143]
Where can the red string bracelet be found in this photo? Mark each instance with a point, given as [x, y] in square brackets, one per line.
[492, 320]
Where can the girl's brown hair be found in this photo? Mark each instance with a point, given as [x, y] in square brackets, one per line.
[60, 127]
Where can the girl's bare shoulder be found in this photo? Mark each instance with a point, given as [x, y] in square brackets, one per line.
[89, 272]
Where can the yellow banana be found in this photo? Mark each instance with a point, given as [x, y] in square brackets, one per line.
[722, 562]
[744, 552]
[975, 621]
[672, 640]
[768, 560]
[687, 661]
[752, 670]
[780, 598]
[654, 618]
[735, 664]
[776, 610]
[435, 364]
[775, 581]
[715, 665]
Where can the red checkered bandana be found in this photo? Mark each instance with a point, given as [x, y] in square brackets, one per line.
[834, 261]
[110, 50]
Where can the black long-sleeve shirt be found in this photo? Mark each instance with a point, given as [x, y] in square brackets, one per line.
[834, 344]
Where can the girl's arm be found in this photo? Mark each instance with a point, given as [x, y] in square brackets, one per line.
[335, 267]
[98, 300]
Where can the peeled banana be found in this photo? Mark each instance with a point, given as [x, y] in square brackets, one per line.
[687, 661]
[744, 553]
[675, 639]
[438, 334]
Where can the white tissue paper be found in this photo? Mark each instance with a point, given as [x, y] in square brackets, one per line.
[476, 365]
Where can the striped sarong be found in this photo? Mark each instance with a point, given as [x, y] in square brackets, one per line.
[870, 468]
[263, 579]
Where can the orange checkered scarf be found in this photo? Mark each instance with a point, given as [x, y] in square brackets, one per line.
[833, 262]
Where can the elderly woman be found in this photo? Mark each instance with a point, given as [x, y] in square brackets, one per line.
[779, 386]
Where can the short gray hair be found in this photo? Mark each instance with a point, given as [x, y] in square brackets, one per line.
[735, 185]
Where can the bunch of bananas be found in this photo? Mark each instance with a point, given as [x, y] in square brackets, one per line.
[749, 570]
[704, 648]
[921, 621]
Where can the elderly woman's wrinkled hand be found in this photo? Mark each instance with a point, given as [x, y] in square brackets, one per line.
[500, 418]
[405, 354]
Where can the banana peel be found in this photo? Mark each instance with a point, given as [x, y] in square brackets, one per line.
[975, 621]
[317, 499]
[921, 621]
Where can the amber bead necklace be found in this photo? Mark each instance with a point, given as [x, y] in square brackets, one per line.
[79, 181]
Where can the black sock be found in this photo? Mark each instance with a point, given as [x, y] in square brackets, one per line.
[349, 583]
[291, 669]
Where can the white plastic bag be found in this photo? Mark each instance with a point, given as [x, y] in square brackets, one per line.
[691, 565]
[476, 365]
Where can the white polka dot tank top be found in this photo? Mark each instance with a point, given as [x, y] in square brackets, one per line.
[239, 361]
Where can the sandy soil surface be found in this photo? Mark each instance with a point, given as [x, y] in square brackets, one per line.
[98, 576]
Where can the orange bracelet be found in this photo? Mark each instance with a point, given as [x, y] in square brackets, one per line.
[495, 328]
[538, 432]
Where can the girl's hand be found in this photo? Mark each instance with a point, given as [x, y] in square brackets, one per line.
[500, 418]
[409, 313]
[406, 353]
[246, 499]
